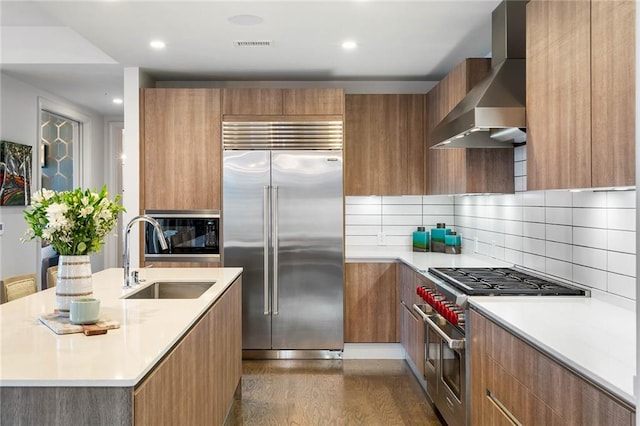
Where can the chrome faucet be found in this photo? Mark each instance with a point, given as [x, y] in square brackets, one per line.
[125, 254]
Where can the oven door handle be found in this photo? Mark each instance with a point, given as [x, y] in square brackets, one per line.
[455, 344]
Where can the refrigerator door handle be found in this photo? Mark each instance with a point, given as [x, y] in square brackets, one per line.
[265, 254]
[275, 249]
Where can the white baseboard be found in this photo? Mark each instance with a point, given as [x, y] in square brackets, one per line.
[373, 351]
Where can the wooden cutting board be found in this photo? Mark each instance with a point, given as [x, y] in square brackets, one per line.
[62, 325]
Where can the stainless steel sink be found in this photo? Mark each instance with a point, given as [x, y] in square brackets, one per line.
[172, 290]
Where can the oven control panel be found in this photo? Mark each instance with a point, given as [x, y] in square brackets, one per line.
[449, 310]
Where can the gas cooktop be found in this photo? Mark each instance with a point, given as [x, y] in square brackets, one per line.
[503, 281]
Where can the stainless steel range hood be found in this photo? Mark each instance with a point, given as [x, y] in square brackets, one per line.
[492, 115]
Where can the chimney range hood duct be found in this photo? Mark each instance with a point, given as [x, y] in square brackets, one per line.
[492, 115]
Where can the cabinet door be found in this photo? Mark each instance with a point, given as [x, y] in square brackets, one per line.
[613, 88]
[412, 337]
[181, 149]
[196, 381]
[370, 303]
[384, 144]
[558, 94]
[416, 180]
[252, 102]
[313, 101]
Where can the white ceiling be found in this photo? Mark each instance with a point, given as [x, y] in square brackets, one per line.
[78, 49]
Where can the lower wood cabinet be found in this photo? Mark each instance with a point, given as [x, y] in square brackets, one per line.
[511, 381]
[370, 303]
[411, 325]
[196, 382]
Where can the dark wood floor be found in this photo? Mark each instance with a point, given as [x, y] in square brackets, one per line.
[344, 392]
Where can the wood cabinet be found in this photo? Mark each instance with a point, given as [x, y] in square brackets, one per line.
[385, 145]
[580, 94]
[280, 102]
[464, 170]
[180, 153]
[196, 382]
[370, 303]
[511, 380]
[411, 325]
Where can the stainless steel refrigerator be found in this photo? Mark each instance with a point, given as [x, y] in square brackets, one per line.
[283, 223]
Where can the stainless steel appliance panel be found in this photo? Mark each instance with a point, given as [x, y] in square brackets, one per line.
[307, 219]
[246, 182]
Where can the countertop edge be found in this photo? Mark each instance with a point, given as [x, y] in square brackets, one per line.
[585, 374]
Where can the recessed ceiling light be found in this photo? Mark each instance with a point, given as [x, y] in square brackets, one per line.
[246, 20]
[117, 101]
[158, 44]
[349, 44]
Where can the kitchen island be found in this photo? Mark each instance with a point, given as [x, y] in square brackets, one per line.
[170, 359]
[591, 336]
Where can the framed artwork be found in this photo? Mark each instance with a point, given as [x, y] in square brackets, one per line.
[15, 174]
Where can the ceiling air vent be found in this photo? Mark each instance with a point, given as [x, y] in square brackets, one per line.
[252, 43]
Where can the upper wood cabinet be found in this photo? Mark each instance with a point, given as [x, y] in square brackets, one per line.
[464, 170]
[313, 101]
[180, 165]
[384, 145]
[283, 102]
[252, 101]
[580, 94]
[370, 299]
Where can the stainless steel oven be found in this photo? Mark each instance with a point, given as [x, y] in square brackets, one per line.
[192, 236]
[445, 365]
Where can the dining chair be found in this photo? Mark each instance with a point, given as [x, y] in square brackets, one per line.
[19, 286]
[52, 275]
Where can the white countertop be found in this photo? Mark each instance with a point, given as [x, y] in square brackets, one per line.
[418, 261]
[590, 335]
[33, 355]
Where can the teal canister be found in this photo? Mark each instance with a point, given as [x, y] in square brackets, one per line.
[437, 237]
[420, 240]
[452, 243]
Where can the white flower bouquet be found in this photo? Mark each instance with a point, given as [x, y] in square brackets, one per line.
[73, 222]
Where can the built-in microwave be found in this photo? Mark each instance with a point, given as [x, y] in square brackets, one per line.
[192, 236]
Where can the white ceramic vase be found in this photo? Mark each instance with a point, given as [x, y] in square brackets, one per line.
[73, 281]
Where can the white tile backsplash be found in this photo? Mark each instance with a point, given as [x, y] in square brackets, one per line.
[558, 251]
[407, 209]
[621, 199]
[622, 285]
[559, 233]
[557, 198]
[593, 258]
[534, 214]
[590, 277]
[590, 217]
[589, 199]
[621, 263]
[622, 219]
[585, 237]
[590, 237]
[559, 215]
[622, 241]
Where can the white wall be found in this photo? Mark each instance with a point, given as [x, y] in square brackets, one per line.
[20, 123]
[134, 79]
